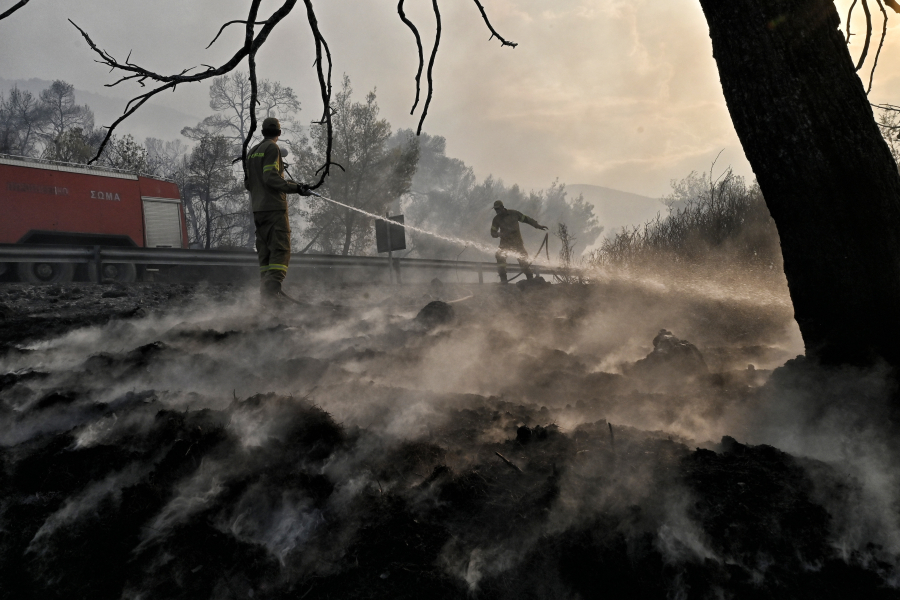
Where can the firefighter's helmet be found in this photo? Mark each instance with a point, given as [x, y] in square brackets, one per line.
[270, 125]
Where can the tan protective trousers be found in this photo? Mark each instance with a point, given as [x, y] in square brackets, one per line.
[520, 253]
[273, 244]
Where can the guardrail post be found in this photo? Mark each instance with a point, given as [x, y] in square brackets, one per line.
[390, 253]
[480, 274]
[98, 264]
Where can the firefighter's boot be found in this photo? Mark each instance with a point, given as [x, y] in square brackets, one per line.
[270, 292]
[503, 277]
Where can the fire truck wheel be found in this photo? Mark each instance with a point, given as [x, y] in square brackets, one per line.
[122, 272]
[44, 272]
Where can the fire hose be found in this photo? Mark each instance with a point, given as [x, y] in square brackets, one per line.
[544, 245]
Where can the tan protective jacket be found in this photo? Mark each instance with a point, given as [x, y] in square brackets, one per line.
[265, 178]
[506, 227]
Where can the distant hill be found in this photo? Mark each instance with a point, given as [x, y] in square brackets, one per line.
[150, 121]
[616, 209]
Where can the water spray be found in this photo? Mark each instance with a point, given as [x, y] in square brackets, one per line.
[454, 240]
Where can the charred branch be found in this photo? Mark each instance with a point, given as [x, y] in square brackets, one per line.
[494, 34]
[890, 107]
[508, 463]
[850, 14]
[880, 45]
[253, 40]
[14, 8]
[865, 51]
[254, 87]
[325, 88]
[437, 41]
[141, 74]
[421, 55]
[226, 25]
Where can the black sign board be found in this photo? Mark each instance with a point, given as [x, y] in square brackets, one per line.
[397, 235]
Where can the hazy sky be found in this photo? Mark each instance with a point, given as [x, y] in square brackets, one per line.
[623, 94]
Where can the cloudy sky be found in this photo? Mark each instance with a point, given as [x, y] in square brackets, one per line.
[622, 94]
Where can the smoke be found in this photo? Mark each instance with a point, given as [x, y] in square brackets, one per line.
[338, 437]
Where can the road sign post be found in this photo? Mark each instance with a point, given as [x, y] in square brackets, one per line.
[390, 235]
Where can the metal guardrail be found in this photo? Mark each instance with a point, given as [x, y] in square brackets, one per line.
[233, 258]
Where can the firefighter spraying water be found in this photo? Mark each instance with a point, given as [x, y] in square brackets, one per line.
[506, 227]
[268, 195]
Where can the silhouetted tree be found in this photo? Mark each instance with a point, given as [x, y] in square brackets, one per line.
[230, 96]
[62, 114]
[213, 194]
[827, 174]
[22, 117]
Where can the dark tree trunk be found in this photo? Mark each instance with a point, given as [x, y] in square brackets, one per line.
[828, 177]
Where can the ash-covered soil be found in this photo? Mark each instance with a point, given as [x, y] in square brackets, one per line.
[178, 441]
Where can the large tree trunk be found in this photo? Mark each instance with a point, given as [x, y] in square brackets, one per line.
[828, 177]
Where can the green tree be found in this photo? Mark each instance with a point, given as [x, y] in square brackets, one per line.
[62, 114]
[229, 96]
[165, 158]
[22, 118]
[72, 146]
[581, 224]
[125, 154]
[446, 197]
[213, 195]
[374, 174]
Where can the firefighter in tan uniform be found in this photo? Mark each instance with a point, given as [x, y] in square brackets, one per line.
[268, 196]
[506, 227]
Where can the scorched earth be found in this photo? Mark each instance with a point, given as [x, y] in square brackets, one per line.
[172, 441]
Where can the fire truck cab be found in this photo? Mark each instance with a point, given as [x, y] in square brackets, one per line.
[44, 202]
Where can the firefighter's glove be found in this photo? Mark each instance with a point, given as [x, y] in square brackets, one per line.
[303, 189]
[543, 227]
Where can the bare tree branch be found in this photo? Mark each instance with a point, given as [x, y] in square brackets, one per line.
[437, 41]
[865, 50]
[226, 25]
[494, 33]
[253, 40]
[14, 8]
[890, 107]
[419, 44]
[325, 87]
[850, 14]
[880, 45]
[254, 88]
[141, 74]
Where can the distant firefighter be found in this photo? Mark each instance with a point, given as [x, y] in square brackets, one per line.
[268, 195]
[506, 227]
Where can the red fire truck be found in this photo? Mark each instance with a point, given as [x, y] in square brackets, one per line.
[43, 202]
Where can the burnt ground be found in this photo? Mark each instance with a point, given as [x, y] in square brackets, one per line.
[175, 441]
